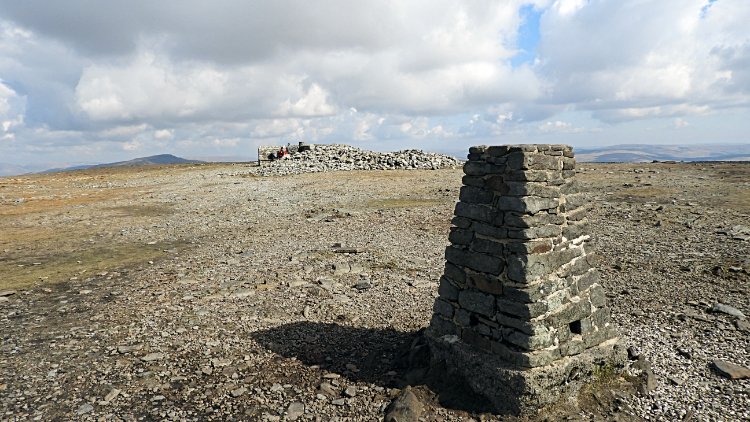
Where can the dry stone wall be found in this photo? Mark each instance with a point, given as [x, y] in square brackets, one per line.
[518, 282]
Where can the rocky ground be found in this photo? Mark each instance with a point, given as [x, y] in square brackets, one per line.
[207, 293]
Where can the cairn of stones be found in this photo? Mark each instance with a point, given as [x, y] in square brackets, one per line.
[521, 316]
[308, 158]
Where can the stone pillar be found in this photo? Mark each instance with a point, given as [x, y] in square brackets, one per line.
[521, 315]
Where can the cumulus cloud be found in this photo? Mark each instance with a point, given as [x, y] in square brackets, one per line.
[560, 127]
[616, 58]
[209, 77]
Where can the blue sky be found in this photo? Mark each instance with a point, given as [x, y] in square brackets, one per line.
[108, 81]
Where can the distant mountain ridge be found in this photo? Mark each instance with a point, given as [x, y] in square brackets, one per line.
[628, 153]
[154, 159]
[647, 153]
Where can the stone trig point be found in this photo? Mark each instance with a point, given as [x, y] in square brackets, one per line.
[521, 316]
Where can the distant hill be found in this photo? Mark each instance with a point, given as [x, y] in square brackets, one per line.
[12, 170]
[648, 153]
[154, 159]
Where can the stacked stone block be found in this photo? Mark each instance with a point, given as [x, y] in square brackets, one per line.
[265, 151]
[518, 282]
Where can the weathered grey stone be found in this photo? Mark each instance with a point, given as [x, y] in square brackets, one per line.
[479, 213]
[587, 280]
[601, 317]
[443, 326]
[476, 195]
[513, 388]
[564, 334]
[485, 283]
[582, 326]
[529, 327]
[406, 408]
[557, 300]
[533, 161]
[525, 204]
[487, 246]
[534, 176]
[569, 154]
[575, 230]
[461, 236]
[573, 311]
[601, 335]
[497, 150]
[568, 163]
[531, 247]
[731, 370]
[478, 302]
[571, 187]
[475, 261]
[597, 297]
[475, 339]
[454, 273]
[527, 268]
[572, 347]
[527, 221]
[443, 308]
[530, 293]
[474, 168]
[567, 174]
[461, 222]
[549, 231]
[497, 184]
[479, 149]
[473, 181]
[726, 309]
[523, 310]
[574, 201]
[528, 342]
[463, 318]
[578, 266]
[489, 230]
[512, 188]
[577, 214]
[448, 290]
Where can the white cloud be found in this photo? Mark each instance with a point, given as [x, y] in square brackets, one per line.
[678, 123]
[132, 145]
[560, 127]
[164, 134]
[110, 77]
[314, 103]
[123, 130]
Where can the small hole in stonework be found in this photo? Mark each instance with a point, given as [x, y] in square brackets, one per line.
[575, 327]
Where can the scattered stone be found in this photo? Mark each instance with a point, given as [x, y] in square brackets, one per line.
[153, 357]
[4, 293]
[731, 370]
[338, 402]
[128, 349]
[406, 408]
[351, 391]
[726, 309]
[295, 410]
[238, 391]
[112, 395]
[242, 293]
[85, 408]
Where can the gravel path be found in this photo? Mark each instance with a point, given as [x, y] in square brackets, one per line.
[299, 297]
